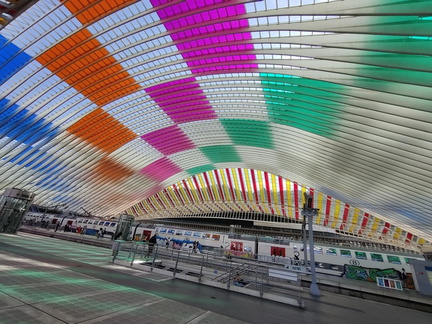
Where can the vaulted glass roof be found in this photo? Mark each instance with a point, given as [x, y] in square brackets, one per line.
[110, 105]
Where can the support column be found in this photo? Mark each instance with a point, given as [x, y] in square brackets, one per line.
[14, 205]
[310, 213]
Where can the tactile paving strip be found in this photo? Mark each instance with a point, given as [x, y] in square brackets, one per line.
[81, 308]
[23, 277]
[147, 274]
[8, 302]
[21, 265]
[26, 315]
[47, 292]
[161, 312]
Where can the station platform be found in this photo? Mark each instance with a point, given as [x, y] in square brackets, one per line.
[44, 279]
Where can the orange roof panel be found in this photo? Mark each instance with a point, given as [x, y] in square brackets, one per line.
[94, 128]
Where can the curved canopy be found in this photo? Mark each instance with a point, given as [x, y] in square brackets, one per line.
[108, 103]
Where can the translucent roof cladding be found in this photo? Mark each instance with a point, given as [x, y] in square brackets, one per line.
[106, 104]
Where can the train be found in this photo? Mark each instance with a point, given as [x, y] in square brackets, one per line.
[330, 259]
[70, 223]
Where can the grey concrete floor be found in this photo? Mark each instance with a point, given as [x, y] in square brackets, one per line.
[46, 280]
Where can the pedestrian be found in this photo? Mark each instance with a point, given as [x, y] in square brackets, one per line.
[238, 281]
[100, 233]
[404, 277]
[57, 226]
[296, 258]
[167, 243]
[119, 234]
[152, 242]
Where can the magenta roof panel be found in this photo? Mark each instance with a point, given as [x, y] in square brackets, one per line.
[225, 68]
[188, 20]
[168, 140]
[179, 98]
[221, 59]
[171, 84]
[160, 170]
[241, 48]
[230, 50]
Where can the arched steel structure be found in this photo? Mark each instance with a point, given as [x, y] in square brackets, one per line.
[106, 105]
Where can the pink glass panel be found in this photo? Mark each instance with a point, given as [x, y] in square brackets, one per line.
[187, 18]
[242, 48]
[218, 28]
[153, 190]
[218, 39]
[161, 170]
[229, 50]
[170, 84]
[221, 68]
[221, 59]
[168, 140]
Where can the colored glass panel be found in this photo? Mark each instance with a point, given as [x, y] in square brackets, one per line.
[102, 130]
[88, 11]
[11, 60]
[200, 169]
[220, 153]
[249, 132]
[168, 140]
[161, 169]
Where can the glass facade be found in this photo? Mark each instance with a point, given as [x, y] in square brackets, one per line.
[156, 109]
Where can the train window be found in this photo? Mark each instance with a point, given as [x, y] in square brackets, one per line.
[346, 253]
[318, 250]
[85, 221]
[377, 257]
[113, 224]
[80, 220]
[319, 264]
[407, 260]
[334, 267]
[101, 222]
[248, 249]
[197, 234]
[163, 230]
[170, 231]
[360, 255]
[187, 233]
[206, 236]
[107, 223]
[216, 237]
[90, 222]
[179, 233]
[330, 251]
[393, 259]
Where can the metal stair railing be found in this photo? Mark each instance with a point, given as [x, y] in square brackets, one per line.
[241, 269]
